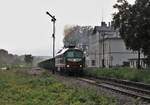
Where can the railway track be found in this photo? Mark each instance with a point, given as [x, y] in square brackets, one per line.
[127, 88]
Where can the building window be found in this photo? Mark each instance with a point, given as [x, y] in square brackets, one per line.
[93, 62]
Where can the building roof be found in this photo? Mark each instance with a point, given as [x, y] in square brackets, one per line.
[108, 32]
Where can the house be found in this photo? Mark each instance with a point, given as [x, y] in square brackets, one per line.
[133, 62]
[107, 49]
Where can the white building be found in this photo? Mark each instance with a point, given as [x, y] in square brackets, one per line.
[134, 61]
[106, 48]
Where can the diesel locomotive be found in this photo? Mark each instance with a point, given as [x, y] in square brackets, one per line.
[70, 60]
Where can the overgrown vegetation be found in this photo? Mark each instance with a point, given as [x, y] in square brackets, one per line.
[121, 73]
[19, 88]
[14, 66]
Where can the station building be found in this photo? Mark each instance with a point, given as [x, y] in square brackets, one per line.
[107, 49]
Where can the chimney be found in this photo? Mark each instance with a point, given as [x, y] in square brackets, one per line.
[109, 24]
[103, 24]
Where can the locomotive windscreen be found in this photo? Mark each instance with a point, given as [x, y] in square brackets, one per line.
[74, 54]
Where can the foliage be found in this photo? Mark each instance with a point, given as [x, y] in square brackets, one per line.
[28, 59]
[133, 22]
[6, 58]
[19, 88]
[121, 73]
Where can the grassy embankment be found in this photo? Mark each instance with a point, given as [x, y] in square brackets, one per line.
[20, 88]
[121, 73]
[14, 66]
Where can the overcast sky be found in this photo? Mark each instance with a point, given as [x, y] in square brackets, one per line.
[26, 29]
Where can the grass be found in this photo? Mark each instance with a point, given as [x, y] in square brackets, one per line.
[19, 88]
[121, 73]
[14, 66]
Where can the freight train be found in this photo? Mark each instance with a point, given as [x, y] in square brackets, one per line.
[69, 60]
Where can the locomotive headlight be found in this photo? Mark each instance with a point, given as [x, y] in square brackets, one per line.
[68, 65]
[74, 59]
[80, 65]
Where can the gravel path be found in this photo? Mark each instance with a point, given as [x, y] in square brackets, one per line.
[35, 71]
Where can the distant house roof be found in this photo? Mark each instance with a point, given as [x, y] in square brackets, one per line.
[109, 33]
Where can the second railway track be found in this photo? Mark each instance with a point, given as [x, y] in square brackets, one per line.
[122, 88]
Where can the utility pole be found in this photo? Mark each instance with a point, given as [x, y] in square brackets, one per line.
[103, 44]
[53, 35]
[103, 60]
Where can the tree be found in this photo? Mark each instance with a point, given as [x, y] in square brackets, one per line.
[8, 59]
[131, 21]
[28, 59]
[144, 18]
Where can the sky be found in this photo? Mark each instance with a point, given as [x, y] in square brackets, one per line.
[26, 29]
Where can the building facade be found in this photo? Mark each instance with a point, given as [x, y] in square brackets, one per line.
[107, 49]
[134, 63]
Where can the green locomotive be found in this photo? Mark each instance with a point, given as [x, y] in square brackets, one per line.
[70, 60]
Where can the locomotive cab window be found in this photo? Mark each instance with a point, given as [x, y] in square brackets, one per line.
[71, 54]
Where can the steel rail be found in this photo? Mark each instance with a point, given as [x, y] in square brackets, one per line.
[126, 82]
[123, 90]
